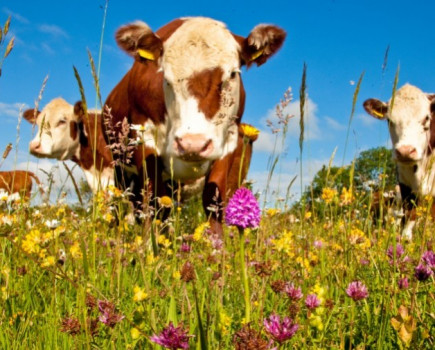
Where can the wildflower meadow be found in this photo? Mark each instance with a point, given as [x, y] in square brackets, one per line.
[322, 272]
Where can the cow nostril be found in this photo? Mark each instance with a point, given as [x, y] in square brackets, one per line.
[206, 146]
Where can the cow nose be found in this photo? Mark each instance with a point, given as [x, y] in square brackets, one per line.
[194, 144]
[34, 146]
[406, 152]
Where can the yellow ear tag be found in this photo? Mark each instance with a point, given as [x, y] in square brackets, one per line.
[257, 54]
[148, 55]
[379, 115]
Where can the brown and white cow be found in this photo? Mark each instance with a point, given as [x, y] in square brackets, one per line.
[19, 181]
[411, 122]
[185, 90]
[66, 132]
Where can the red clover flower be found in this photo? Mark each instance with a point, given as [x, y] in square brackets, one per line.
[357, 290]
[108, 314]
[172, 338]
[312, 301]
[280, 330]
[294, 293]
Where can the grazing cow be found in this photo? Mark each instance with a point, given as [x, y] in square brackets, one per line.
[66, 132]
[19, 181]
[185, 91]
[411, 121]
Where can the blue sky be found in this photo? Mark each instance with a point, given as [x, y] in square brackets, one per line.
[337, 39]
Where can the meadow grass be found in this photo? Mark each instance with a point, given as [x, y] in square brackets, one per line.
[58, 262]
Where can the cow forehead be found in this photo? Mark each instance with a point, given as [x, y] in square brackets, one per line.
[410, 104]
[199, 44]
[56, 107]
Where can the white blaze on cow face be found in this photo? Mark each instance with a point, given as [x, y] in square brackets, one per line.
[201, 66]
[57, 134]
[409, 118]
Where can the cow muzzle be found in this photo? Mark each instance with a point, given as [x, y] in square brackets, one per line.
[35, 148]
[193, 147]
[406, 154]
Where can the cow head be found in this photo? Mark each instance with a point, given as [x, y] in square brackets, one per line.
[200, 60]
[411, 121]
[58, 134]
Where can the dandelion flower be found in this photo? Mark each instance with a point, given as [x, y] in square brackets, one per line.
[249, 131]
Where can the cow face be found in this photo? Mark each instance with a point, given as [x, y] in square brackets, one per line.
[57, 135]
[200, 61]
[410, 117]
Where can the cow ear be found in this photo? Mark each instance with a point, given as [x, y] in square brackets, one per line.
[79, 110]
[376, 108]
[139, 41]
[31, 115]
[263, 41]
[431, 98]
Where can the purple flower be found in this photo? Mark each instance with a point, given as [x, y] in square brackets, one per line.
[318, 244]
[403, 283]
[108, 314]
[280, 331]
[243, 210]
[364, 261]
[357, 290]
[292, 292]
[399, 251]
[172, 337]
[422, 272]
[312, 301]
[185, 247]
[428, 258]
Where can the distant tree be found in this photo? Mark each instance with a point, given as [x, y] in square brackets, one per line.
[373, 169]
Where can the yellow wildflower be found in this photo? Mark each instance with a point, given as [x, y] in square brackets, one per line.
[108, 217]
[346, 196]
[176, 275]
[151, 259]
[135, 333]
[224, 322]
[249, 131]
[75, 251]
[308, 215]
[139, 294]
[31, 242]
[48, 261]
[284, 243]
[272, 212]
[165, 201]
[328, 194]
[199, 231]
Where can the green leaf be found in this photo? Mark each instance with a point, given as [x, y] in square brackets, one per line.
[172, 312]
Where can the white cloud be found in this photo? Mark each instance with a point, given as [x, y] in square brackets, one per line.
[366, 119]
[12, 109]
[281, 179]
[60, 180]
[266, 139]
[54, 30]
[16, 16]
[334, 124]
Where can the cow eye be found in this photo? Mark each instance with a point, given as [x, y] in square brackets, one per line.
[61, 122]
[233, 75]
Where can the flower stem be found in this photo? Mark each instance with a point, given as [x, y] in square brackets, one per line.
[245, 276]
